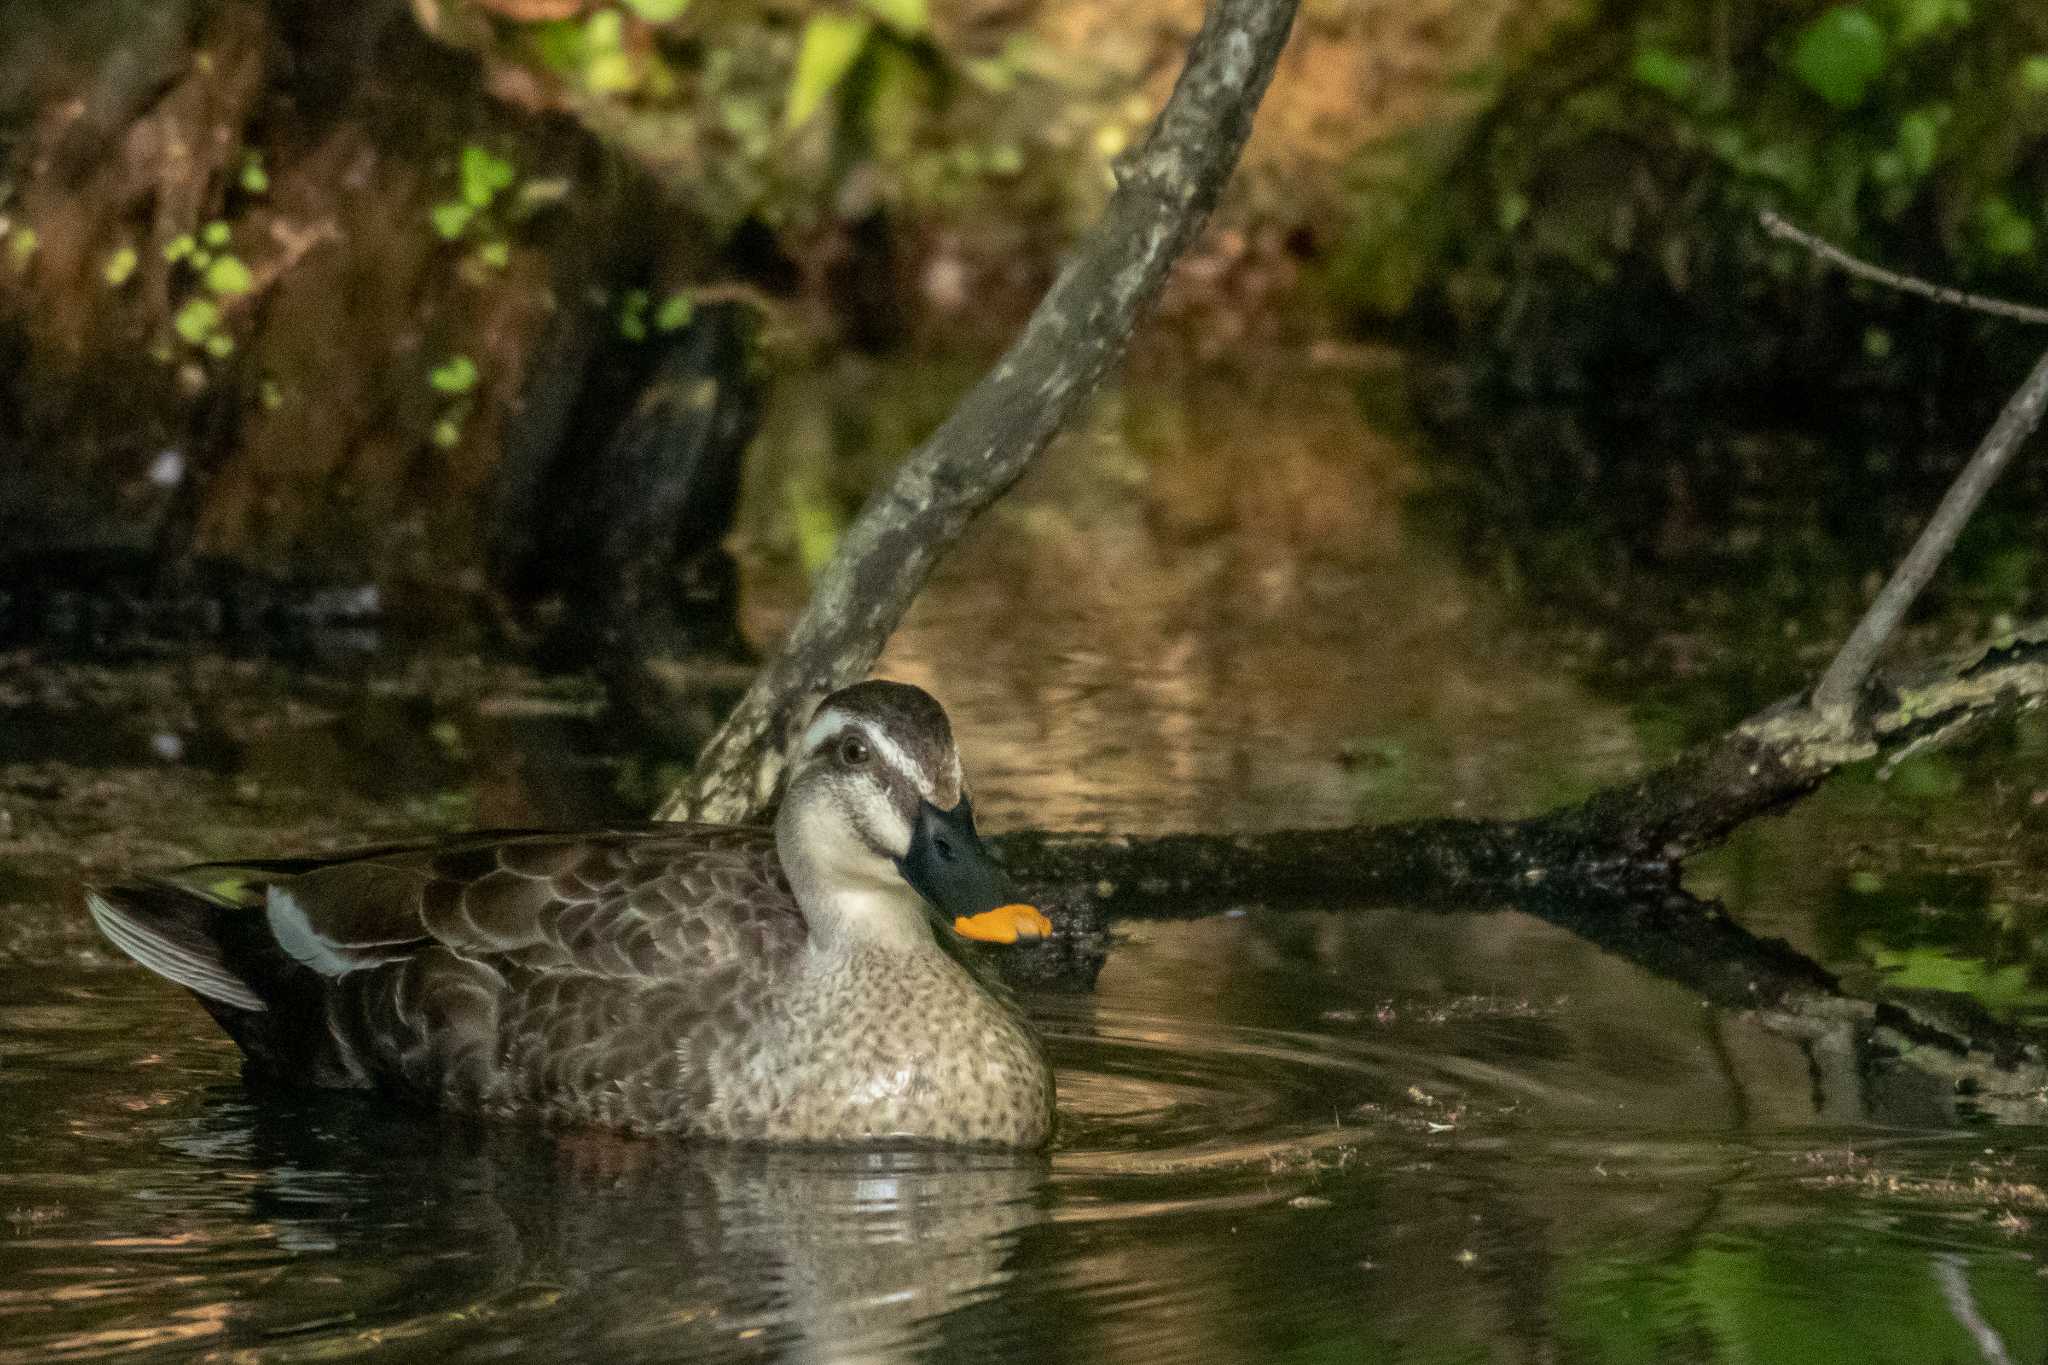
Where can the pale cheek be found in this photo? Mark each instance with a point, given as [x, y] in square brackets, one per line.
[887, 827]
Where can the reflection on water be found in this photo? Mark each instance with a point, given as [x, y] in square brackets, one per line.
[1353, 1135]
[1317, 1153]
[451, 1235]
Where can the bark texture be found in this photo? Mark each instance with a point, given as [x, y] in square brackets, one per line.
[1078, 331]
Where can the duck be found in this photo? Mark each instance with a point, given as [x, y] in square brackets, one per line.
[808, 982]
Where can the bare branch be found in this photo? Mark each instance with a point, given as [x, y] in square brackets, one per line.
[1076, 334]
[1786, 231]
[1835, 698]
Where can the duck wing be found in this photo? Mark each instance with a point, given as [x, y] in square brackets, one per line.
[471, 965]
[643, 904]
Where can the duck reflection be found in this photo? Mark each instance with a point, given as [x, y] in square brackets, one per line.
[410, 1227]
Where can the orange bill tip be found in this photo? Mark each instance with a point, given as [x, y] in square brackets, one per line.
[1004, 924]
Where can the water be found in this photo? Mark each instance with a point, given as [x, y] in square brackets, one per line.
[1381, 1135]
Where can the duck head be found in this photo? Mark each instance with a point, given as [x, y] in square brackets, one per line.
[876, 824]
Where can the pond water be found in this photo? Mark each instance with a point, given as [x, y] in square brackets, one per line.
[1382, 1135]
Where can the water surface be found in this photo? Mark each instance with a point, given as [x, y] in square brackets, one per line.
[1380, 1135]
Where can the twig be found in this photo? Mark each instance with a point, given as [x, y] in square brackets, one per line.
[1073, 337]
[1785, 231]
[1835, 697]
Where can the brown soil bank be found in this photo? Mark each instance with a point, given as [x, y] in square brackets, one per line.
[353, 292]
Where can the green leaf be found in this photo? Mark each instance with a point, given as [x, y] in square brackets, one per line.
[1915, 21]
[1839, 54]
[483, 174]
[657, 11]
[22, 246]
[815, 520]
[456, 374]
[607, 67]
[120, 266]
[254, 179]
[633, 315]
[2034, 74]
[831, 44]
[908, 17]
[675, 313]
[451, 218]
[228, 277]
[196, 320]
[1512, 210]
[1919, 140]
[216, 234]
[560, 46]
[220, 345]
[179, 247]
[2002, 229]
[1666, 72]
[1937, 969]
[495, 254]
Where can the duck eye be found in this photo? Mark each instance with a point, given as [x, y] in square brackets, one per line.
[853, 751]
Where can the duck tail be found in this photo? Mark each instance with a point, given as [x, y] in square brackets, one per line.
[210, 938]
[173, 933]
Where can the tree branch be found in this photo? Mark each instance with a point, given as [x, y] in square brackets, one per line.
[1607, 870]
[1629, 838]
[1076, 334]
[1786, 231]
[1836, 695]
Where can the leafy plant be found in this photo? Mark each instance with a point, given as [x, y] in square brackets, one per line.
[228, 277]
[456, 374]
[1914, 132]
[831, 44]
[120, 266]
[480, 209]
[252, 178]
[457, 377]
[1839, 54]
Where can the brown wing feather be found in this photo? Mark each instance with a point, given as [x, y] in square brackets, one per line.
[675, 903]
[580, 978]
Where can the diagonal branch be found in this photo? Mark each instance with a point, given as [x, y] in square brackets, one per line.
[1076, 334]
[1834, 699]
[1836, 695]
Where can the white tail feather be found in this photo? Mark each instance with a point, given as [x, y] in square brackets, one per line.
[167, 957]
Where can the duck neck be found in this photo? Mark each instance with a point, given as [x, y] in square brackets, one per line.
[849, 896]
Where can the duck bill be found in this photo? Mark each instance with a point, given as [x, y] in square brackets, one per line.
[951, 868]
